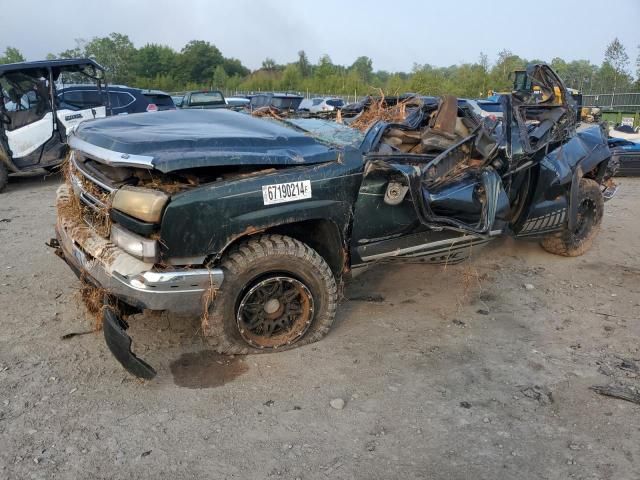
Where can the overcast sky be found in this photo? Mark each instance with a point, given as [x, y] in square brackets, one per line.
[394, 34]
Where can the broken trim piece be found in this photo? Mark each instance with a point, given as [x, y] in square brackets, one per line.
[110, 157]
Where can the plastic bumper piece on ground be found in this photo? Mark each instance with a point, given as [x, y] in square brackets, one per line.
[120, 345]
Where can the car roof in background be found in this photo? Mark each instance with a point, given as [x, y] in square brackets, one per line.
[276, 94]
[149, 91]
[57, 65]
[94, 87]
[205, 91]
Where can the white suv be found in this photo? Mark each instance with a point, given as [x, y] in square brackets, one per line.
[321, 104]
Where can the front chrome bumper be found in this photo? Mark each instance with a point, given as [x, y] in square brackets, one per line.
[133, 281]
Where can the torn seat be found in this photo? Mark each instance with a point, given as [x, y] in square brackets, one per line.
[441, 133]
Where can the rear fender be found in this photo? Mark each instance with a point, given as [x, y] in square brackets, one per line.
[558, 181]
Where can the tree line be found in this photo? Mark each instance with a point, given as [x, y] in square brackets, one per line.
[200, 64]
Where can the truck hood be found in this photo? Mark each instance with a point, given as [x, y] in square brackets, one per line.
[177, 140]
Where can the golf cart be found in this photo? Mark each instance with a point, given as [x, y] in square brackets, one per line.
[35, 120]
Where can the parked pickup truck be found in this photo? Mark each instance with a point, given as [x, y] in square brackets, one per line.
[204, 99]
[254, 223]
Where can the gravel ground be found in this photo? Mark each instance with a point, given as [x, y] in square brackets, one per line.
[444, 373]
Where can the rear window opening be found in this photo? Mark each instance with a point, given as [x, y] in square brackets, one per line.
[286, 103]
[159, 100]
[206, 98]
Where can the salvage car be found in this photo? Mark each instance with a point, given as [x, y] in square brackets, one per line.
[123, 100]
[626, 132]
[625, 156]
[254, 223]
[202, 99]
[33, 123]
[282, 102]
[321, 104]
[237, 102]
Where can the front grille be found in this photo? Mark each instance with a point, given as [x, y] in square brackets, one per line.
[93, 195]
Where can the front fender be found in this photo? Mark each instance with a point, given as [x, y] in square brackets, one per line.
[253, 222]
[203, 222]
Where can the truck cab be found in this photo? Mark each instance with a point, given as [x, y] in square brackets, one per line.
[203, 99]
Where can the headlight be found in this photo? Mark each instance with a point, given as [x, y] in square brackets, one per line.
[141, 203]
[140, 247]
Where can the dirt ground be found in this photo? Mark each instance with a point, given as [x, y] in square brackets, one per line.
[447, 373]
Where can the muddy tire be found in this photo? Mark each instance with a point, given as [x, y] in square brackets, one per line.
[4, 176]
[277, 294]
[590, 211]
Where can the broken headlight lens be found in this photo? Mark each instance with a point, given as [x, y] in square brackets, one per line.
[140, 247]
[141, 203]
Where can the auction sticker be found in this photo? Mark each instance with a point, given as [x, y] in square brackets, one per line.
[286, 192]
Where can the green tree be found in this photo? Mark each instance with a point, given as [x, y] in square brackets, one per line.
[11, 55]
[501, 71]
[483, 70]
[77, 52]
[233, 66]
[426, 80]
[152, 60]
[638, 68]
[560, 67]
[395, 85]
[579, 74]
[269, 64]
[234, 82]
[616, 57]
[197, 62]
[325, 68]
[303, 64]
[220, 77]
[116, 54]
[291, 78]
[363, 66]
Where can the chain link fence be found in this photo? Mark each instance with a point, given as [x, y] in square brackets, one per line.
[613, 101]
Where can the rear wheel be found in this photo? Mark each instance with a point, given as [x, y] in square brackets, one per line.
[4, 176]
[573, 243]
[278, 293]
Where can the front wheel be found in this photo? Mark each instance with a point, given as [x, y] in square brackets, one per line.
[573, 243]
[278, 293]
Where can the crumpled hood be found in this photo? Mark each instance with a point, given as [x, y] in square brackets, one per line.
[175, 140]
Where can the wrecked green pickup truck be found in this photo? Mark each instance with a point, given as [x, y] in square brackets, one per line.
[254, 222]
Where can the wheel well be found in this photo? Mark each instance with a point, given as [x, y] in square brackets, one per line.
[320, 234]
[598, 171]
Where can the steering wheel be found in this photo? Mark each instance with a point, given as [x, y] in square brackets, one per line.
[5, 118]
